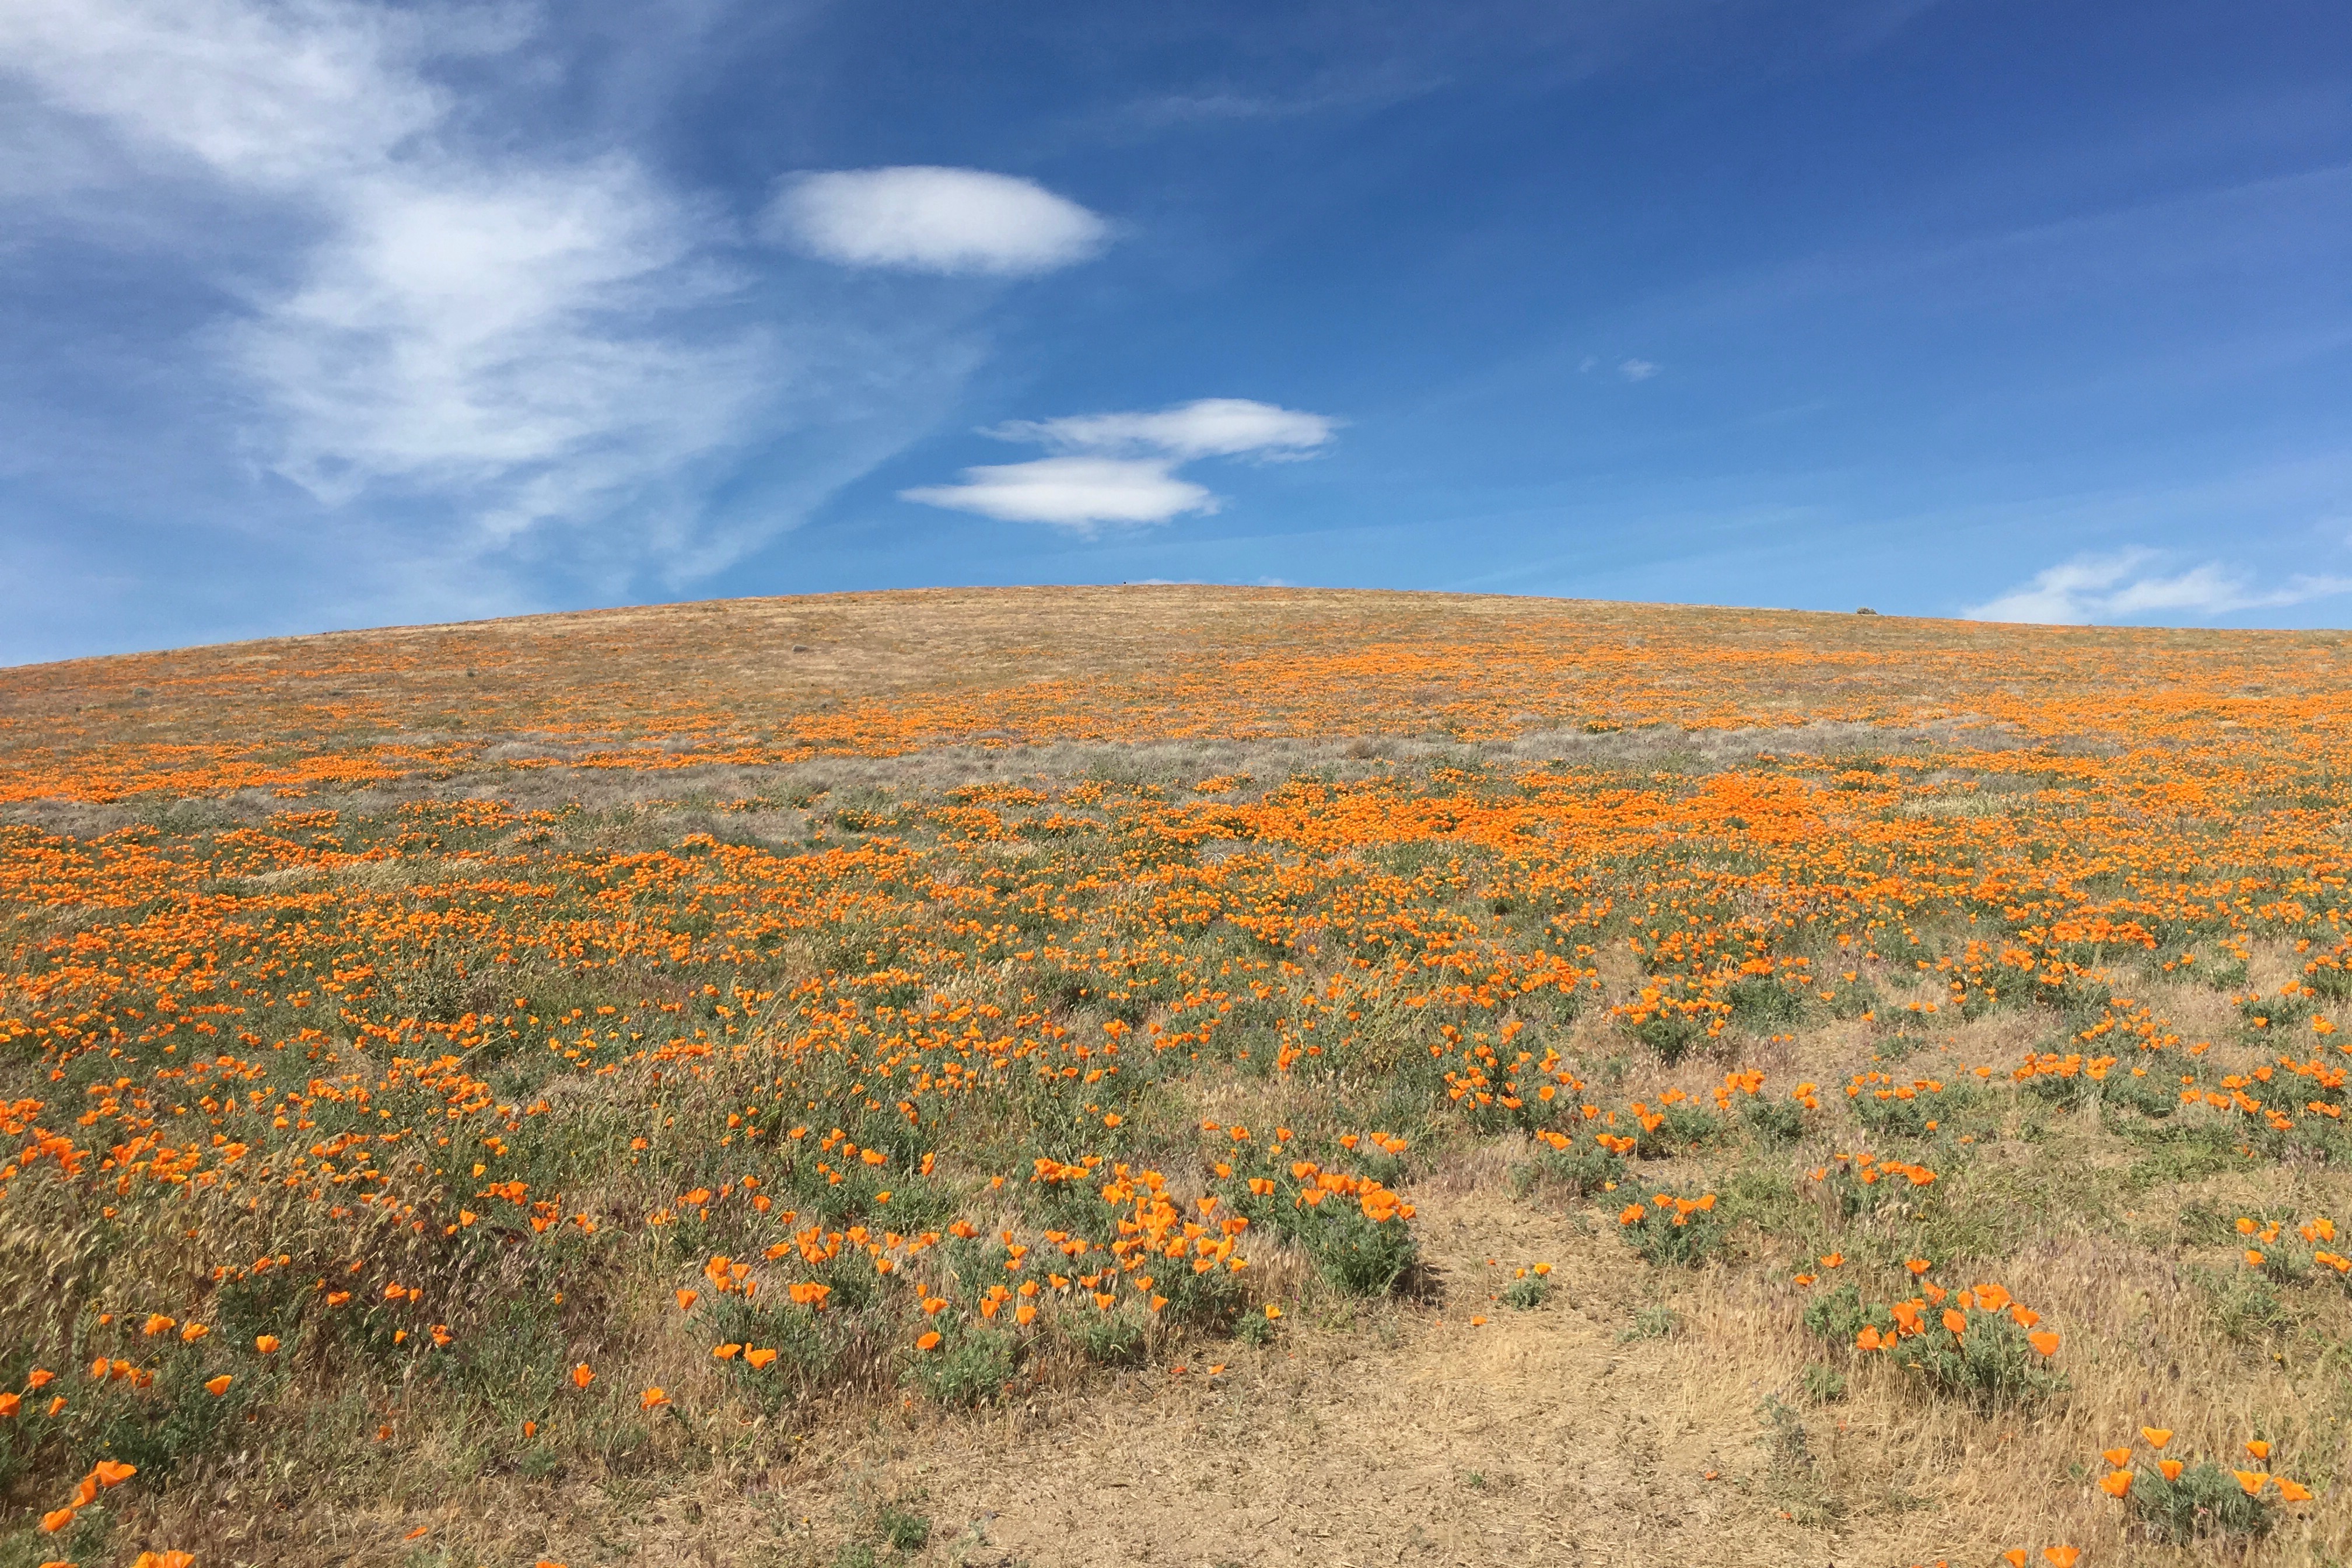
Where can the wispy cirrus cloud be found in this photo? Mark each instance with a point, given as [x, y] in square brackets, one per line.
[1120, 469]
[484, 347]
[1206, 427]
[2126, 585]
[515, 328]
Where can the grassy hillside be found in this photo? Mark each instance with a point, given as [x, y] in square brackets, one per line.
[1178, 1075]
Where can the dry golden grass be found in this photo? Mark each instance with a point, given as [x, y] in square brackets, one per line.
[583, 898]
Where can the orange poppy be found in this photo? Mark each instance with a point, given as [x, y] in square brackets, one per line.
[581, 1376]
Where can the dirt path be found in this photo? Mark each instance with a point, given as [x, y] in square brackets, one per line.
[1399, 1434]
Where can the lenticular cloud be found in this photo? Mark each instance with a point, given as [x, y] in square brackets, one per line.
[1120, 469]
[924, 219]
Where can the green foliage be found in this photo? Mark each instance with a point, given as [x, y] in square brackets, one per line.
[1527, 1293]
[1764, 1005]
[158, 1428]
[1839, 1314]
[1650, 1323]
[1906, 1109]
[1671, 1036]
[1853, 998]
[1989, 1365]
[1112, 1339]
[1773, 1120]
[969, 1369]
[903, 1530]
[1578, 1169]
[2204, 1503]
[2282, 1011]
[1673, 1229]
[1357, 1255]
[1682, 1127]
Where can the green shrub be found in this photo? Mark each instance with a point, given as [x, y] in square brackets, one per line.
[1774, 1120]
[970, 1369]
[1762, 1006]
[1890, 1107]
[2204, 1503]
[905, 1529]
[1671, 1036]
[1527, 1293]
[1839, 1314]
[1676, 1127]
[1359, 1256]
[1355, 1231]
[1990, 1360]
[1577, 1168]
[1989, 1364]
[1650, 1323]
[1112, 1339]
[1673, 1229]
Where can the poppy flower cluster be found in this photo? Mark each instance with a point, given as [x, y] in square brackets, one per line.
[361, 1078]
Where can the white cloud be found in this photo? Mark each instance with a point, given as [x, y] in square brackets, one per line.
[433, 307]
[927, 219]
[1120, 467]
[1637, 370]
[2096, 589]
[495, 325]
[1209, 426]
[1072, 493]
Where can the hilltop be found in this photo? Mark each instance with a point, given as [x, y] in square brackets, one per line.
[1175, 1074]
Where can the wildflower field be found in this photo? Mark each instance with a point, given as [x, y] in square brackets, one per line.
[1181, 1076]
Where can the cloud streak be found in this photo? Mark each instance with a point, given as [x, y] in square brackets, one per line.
[483, 353]
[1120, 469]
[2119, 587]
[517, 329]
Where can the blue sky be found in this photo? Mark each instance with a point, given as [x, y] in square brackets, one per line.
[317, 313]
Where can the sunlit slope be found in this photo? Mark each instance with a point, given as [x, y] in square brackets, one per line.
[763, 680]
[1180, 1075]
